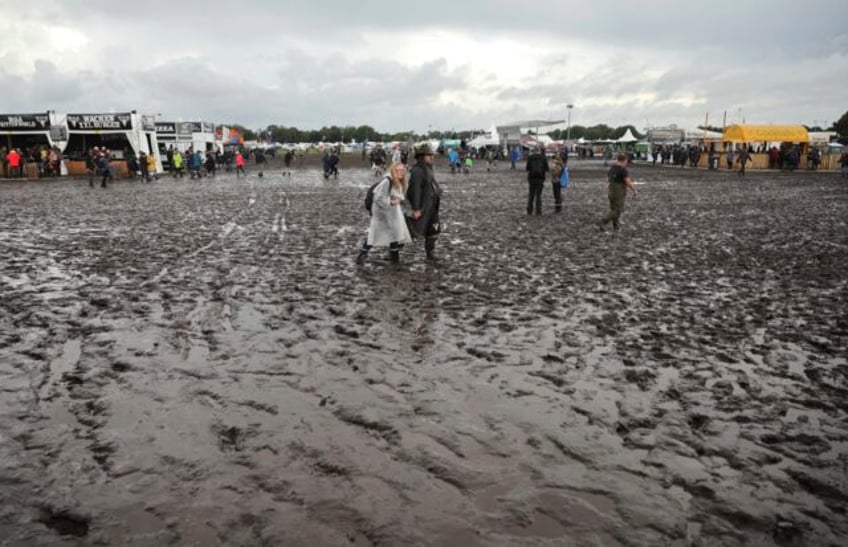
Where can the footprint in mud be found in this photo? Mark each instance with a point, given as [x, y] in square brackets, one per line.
[379, 428]
[65, 523]
[643, 377]
[232, 438]
[102, 453]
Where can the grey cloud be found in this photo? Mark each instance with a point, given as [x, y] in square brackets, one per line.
[248, 62]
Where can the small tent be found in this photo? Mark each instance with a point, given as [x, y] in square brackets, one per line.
[627, 137]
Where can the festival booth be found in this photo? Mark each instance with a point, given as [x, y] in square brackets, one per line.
[486, 140]
[185, 135]
[762, 137]
[511, 134]
[830, 151]
[29, 131]
[124, 134]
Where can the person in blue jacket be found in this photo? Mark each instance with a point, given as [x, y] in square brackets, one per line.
[514, 157]
[453, 159]
[195, 162]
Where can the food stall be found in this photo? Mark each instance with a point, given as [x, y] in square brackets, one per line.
[122, 133]
[761, 138]
[27, 132]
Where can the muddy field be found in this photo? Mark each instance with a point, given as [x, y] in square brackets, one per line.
[202, 363]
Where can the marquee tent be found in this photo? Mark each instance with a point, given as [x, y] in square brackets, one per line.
[491, 138]
[627, 137]
[766, 133]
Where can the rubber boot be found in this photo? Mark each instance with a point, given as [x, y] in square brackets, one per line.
[394, 256]
[363, 253]
[430, 247]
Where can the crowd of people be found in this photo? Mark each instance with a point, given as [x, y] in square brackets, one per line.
[47, 160]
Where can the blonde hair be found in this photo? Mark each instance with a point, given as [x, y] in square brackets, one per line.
[398, 184]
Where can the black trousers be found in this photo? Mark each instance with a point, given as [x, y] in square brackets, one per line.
[534, 196]
[557, 195]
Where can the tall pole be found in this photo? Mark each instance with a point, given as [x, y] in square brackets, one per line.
[568, 130]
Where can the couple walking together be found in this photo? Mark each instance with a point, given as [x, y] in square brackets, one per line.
[401, 211]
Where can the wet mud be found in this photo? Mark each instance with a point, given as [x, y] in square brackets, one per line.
[202, 363]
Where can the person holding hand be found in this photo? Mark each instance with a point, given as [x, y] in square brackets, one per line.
[388, 222]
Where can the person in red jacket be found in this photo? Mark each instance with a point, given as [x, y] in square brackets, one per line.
[14, 159]
[240, 164]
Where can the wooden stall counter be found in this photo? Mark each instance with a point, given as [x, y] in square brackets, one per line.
[76, 168]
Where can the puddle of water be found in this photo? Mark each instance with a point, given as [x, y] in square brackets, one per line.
[541, 526]
[492, 499]
[250, 319]
[67, 361]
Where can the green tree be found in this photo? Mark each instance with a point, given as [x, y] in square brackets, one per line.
[841, 125]
[597, 132]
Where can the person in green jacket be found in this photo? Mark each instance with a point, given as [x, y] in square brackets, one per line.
[178, 164]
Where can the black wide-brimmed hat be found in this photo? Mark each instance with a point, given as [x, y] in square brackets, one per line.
[424, 149]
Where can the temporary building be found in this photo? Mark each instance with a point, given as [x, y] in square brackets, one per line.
[119, 132]
[185, 135]
[511, 133]
[766, 133]
[31, 130]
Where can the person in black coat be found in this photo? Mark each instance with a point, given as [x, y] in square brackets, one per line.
[537, 169]
[424, 196]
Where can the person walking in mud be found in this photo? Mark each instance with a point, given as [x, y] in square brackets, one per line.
[105, 168]
[209, 165]
[388, 223]
[743, 159]
[537, 169]
[151, 167]
[178, 164]
[142, 165]
[240, 164]
[91, 165]
[259, 155]
[424, 198]
[169, 155]
[843, 163]
[619, 182]
[288, 162]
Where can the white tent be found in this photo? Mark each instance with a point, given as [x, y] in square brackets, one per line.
[490, 138]
[627, 137]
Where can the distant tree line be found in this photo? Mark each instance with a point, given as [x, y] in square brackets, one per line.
[600, 132]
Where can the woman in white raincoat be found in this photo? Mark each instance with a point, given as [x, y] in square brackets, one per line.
[388, 224]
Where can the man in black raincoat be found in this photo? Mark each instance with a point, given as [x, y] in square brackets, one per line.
[423, 196]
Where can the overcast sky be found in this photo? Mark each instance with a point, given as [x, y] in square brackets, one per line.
[441, 64]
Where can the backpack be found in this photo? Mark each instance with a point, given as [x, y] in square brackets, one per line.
[369, 195]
